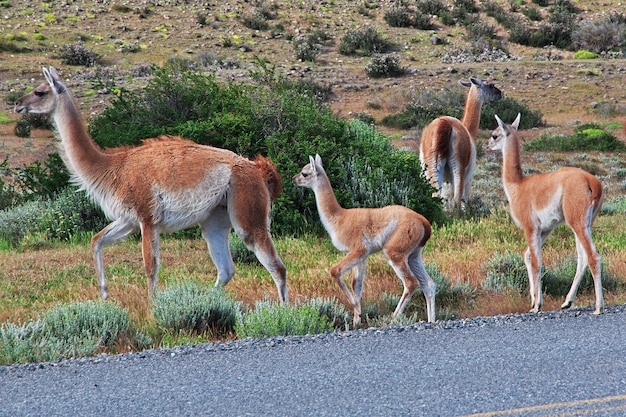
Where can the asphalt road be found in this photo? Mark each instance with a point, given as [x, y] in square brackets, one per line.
[522, 365]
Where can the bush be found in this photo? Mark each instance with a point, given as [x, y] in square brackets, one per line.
[62, 216]
[255, 21]
[604, 35]
[307, 47]
[557, 281]
[505, 272]
[69, 331]
[280, 118]
[428, 104]
[268, 320]
[585, 55]
[586, 137]
[384, 66]
[194, 308]
[363, 41]
[402, 16]
[78, 54]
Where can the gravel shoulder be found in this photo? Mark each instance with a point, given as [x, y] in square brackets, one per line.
[521, 364]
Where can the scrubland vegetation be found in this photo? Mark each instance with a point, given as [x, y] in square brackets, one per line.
[49, 303]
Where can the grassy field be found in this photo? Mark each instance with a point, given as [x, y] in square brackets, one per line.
[567, 91]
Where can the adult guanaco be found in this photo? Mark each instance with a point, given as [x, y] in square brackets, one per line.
[398, 231]
[541, 202]
[448, 149]
[164, 185]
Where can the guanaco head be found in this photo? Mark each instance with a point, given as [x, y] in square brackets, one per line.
[42, 99]
[499, 135]
[487, 90]
[310, 173]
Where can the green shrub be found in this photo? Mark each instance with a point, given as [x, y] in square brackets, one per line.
[78, 54]
[532, 12]
[431, 7]
[586, 137]
[363, 41]
[403, 16]
[506, 271]
[61, 216]
[22, 129]
[428, 104]
[338, 317]
[306, 47]
[190, 307]
[398, 16]
[384, 65]
[69, 331]
[255, 21]
[558, 280]
[284, 119]
[603, 35]
[268, 320]
[582, 54]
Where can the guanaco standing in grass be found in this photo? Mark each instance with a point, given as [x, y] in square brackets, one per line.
[448, 149]
[398, 231]
[164, 185]
[541, 202]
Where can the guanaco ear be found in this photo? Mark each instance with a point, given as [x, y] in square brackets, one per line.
[515, 124]
[465, 83]
[503, 127]
[318, 160]
[312, 162]
[53, 78]
[48, 76]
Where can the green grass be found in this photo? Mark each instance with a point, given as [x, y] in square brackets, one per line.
[5, 119]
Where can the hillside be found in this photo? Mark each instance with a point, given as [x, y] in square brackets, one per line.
[126, 35]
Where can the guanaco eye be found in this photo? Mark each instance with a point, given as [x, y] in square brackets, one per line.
[40, 93]
[305, 174]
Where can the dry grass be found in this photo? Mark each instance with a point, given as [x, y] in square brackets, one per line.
[31, 281]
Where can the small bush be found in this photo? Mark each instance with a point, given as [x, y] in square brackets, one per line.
[255, 21]
[307, 48]
[69, 331]
[62, 216]
[506, 271]
[431, 7]
[364, 41]
[268, 320]
[532, 12]
[78, 54]
[585, 55]
[190, 307]
[385, 65]
[403, 16]
[22, 129]
[428, 104]
[558, 280]
[336, 313]
[604, 35]
[587, 137]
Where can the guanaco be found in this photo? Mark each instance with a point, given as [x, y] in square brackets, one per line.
[448, 149]
[398, 231]
[541, 202]
[164, 185]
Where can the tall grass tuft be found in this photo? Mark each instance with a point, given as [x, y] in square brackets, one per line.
[190, 307]
[269, 319]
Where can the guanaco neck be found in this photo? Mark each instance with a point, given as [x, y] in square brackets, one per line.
[82, 153]
[511, 161]
[471, 114]
[327, 205]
